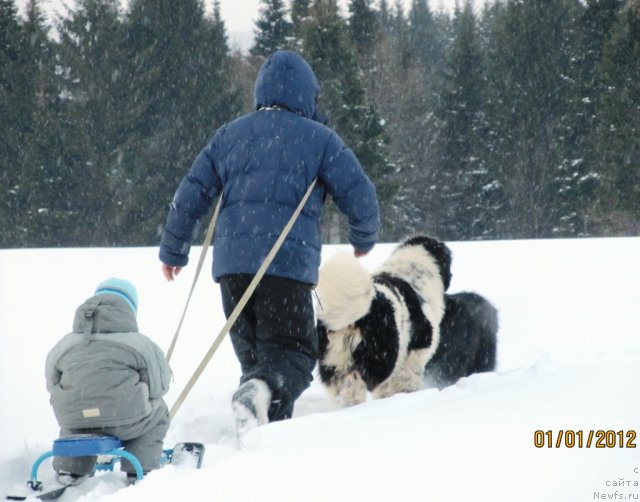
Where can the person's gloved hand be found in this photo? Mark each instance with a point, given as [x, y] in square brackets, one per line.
[357, 253]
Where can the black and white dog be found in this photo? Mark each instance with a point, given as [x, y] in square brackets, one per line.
[380, 332]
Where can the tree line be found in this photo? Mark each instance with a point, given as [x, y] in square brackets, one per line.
[520, 120]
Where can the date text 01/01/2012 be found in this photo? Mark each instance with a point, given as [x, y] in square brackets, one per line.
[585, 439]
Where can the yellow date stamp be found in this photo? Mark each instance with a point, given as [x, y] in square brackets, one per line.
[568, 438]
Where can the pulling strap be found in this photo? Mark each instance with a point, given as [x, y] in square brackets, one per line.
[243, 301]
[203, 254]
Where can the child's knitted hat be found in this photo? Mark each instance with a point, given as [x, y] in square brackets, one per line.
[119, 287]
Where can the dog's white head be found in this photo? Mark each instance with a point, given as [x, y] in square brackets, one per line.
[345, 291]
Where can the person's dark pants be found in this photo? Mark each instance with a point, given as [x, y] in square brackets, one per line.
[274, 337]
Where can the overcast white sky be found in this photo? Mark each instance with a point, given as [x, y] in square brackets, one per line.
[239, 15]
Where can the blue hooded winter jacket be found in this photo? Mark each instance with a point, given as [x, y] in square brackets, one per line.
[263, 162]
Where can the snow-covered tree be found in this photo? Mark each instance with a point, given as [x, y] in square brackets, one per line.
[272, 28]
[467, 195]
[328, 48]
[618, 138]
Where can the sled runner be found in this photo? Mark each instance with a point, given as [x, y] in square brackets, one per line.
[109, 451]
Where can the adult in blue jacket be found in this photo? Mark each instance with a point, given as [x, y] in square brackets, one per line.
[262, 164]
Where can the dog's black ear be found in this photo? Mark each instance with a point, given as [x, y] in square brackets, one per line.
[323, 338]
[444, 262]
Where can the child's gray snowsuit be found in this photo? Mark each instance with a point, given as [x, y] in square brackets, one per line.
[107, 378]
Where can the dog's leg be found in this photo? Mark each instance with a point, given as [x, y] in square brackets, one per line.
[385, 389]
[401, 381]
[353, 391]
[406, 378]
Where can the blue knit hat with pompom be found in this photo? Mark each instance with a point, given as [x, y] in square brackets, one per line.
[119, 287]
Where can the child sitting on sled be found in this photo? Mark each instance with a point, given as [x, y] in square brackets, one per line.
[106, 378]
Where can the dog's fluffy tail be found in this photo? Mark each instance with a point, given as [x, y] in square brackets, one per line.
[345, 291]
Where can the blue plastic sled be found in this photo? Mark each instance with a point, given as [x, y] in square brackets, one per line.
[85, 445]
[184, 454]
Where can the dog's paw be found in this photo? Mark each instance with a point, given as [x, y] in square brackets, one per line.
[400, 381]
[353, 391]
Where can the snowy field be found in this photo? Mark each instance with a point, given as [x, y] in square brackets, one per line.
[569, 360]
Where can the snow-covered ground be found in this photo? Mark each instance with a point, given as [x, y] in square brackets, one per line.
[569, 360]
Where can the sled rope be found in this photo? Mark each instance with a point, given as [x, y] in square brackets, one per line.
[243, 301]
[203, 254]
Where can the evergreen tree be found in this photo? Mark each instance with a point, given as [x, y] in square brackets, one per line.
[403, 97]
[579, 179]
[527, 128]
[527, 106]
[45, 212]
[364, 27]
[395, 83]
[39, 56]
[366, 34]
[425, 44]
[29, 131]
[14, 115]
[13, 82]
[272, 29]
[401, 37]
[406, 95]
[385, 16]
[595, 24]
[179, 93]
[299, 11]
[299, 17]
[95, 126]
[342, 97]
[222, 95]
[618, 141]
[466, 194]
[219, 40]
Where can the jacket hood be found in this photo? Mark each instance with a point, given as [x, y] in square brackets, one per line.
[286, 79]
[105, 313]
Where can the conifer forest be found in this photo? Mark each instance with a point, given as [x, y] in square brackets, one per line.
[517, 120]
